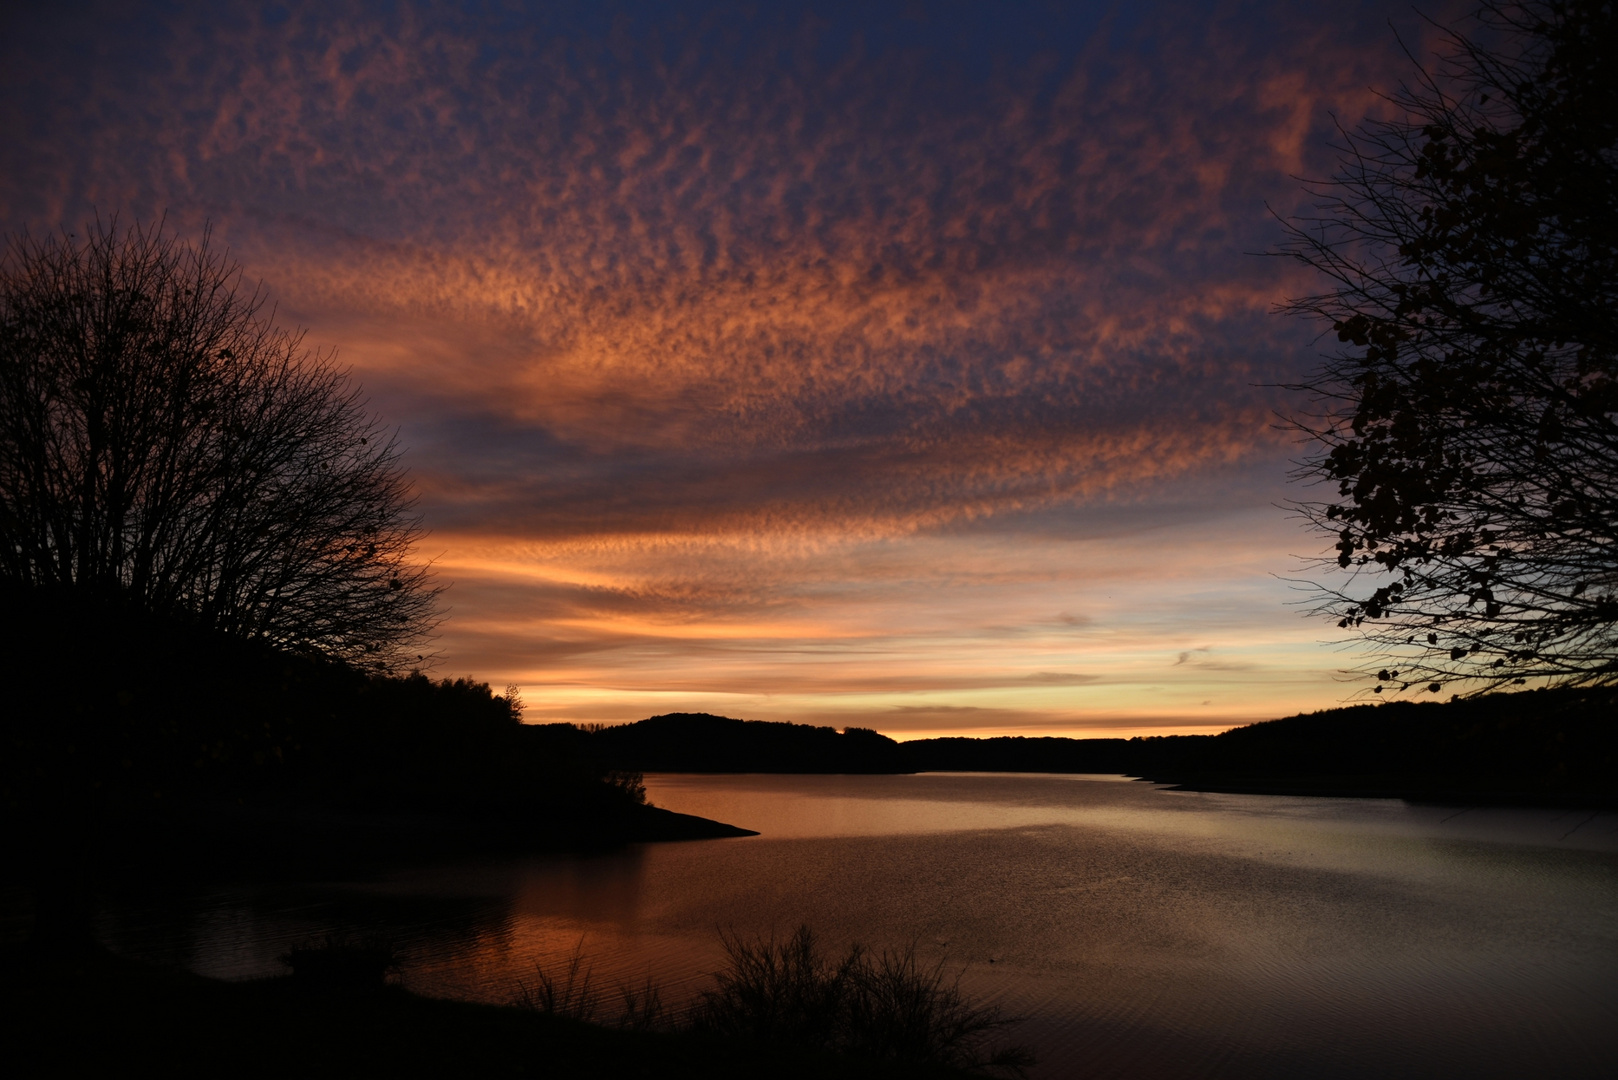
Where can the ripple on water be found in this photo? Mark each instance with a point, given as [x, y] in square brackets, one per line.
[1141, 932]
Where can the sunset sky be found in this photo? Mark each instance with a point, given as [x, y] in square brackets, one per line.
[909, 366]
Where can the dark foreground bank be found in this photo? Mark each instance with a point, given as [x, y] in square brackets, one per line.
[292, 834]
[134, 743]
[98, 1014]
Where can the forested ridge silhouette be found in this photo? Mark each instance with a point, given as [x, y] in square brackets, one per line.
[133, 737]
[1543, 746]
[703, 742]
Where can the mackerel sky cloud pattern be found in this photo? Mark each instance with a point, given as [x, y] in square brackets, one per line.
[904, 366]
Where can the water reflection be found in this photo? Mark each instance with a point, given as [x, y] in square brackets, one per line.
[1144, 932]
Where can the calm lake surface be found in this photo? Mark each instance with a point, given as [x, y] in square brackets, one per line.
[1142, 932]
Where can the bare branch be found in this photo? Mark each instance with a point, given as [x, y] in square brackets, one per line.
[162, 440]
[1468, 425]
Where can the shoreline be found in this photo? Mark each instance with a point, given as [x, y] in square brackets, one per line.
[279, 837]
[1417, 793]
[93, 1012]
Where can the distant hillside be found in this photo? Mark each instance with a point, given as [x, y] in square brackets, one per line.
[1539, 746]
[1543, 746]
[701, 742]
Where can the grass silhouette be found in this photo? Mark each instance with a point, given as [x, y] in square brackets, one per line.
[886, 1005]
[566, 993]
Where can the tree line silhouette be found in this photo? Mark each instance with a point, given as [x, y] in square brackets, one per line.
[130, 728]
[1537, 747]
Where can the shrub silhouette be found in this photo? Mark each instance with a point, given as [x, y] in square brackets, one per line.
[887, 1006]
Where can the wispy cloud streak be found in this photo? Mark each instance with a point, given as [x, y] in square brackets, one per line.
[657, 296]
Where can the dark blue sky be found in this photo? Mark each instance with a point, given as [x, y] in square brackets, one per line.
[908, 365]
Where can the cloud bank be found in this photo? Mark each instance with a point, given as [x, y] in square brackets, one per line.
[743, 349]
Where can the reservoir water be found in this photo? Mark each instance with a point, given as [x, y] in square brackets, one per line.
[1141, 932]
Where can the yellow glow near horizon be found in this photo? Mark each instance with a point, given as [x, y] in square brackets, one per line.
[920, 390]
[924, 634]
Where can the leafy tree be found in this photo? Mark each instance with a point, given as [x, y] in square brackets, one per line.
[166, 448]
[1468, 426]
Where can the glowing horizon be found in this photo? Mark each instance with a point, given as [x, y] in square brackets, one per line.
[857, 368]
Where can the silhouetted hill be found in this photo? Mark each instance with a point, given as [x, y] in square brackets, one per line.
[702, 742]
[1539, 746]
[1555, 746]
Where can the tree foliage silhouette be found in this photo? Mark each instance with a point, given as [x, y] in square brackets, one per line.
[166, 447]
[1468, 425]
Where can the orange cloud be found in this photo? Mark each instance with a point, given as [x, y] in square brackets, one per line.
[702, 330]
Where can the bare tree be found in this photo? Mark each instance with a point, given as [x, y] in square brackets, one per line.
[164, 443]
[1468, 426]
